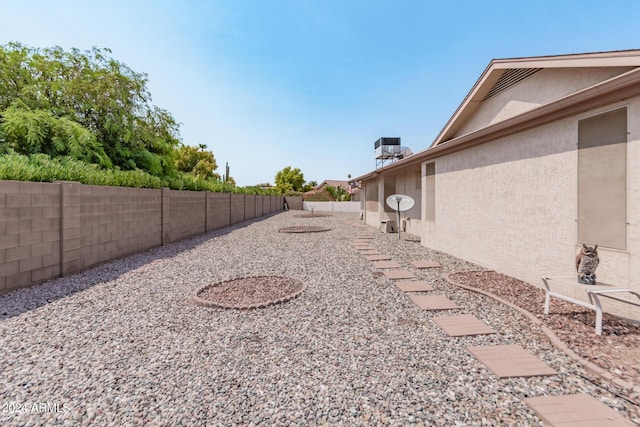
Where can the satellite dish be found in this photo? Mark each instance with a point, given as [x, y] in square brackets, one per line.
[400, 202]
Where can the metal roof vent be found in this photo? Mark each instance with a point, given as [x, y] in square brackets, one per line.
[510, 78]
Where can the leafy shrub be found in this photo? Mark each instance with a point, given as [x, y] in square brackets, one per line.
[43, 168]
[320, 196]
[338, 194]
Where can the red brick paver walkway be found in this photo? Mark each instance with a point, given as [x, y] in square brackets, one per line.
[413, 286]
[398, 274]
[463, 325]
[425, 264]
[386, 264]
[433, 302]
[510, 361]
[575, 410]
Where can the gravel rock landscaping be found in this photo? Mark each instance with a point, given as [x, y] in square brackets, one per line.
[312, 215]
[303, 229]
[122, 345]
[617, 350]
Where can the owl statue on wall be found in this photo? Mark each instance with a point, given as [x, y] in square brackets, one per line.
[586, 263]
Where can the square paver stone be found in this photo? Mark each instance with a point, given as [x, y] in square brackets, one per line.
[398, 274]
[463, 325]
[413, 286]
[510, 361]
[364, 247]
[369, 252]
[433, 302]
[425, 264]
[377, 257]
[575, 410]
[386, 264]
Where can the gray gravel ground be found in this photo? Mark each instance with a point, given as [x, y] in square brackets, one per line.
[119, 345]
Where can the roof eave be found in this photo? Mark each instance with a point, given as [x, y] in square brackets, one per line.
[613, 90]
[497, 67]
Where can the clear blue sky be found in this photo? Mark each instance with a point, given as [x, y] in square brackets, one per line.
[312, 84]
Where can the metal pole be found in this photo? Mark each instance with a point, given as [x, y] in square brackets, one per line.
[398, 223]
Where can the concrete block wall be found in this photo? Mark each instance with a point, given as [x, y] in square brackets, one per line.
[218, 210]
[259, 207]
[249, 206]
[332, 206]
[295, 202]
[237, 208]
[187, 211]
[29, 233]
[48, 230]
[115, 222]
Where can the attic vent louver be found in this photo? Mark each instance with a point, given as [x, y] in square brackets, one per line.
[510, 78]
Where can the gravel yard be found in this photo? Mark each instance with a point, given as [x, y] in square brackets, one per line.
[616, 351]
[122, 345]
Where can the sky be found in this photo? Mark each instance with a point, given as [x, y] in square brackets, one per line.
[313, 84]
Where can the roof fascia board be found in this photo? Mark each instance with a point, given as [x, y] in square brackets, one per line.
[573, 63]
[599, 59]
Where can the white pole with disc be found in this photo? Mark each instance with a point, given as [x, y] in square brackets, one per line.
[400, 203]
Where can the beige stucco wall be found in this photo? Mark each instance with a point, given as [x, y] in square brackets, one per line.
[633, 192]
[511, 204]
[542, 87]
[407, 182]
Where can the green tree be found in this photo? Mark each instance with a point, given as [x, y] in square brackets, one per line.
[338, 194]
[43, 91]
[196, 161]
[289, 179]
[27, 131]
[309, 186]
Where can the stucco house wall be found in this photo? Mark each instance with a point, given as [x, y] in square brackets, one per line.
[510, 181]
[511, 204]
[406, 182]
[633, 194]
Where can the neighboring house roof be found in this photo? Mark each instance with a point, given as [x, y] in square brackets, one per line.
[502, 74]
[334, 183]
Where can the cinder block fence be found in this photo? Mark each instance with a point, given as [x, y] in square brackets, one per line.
[48, 230]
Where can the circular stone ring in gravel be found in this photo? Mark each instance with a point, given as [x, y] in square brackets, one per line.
[303, 229]
[313, 215]
[249, 292]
